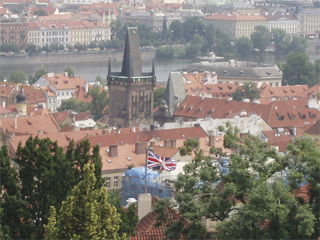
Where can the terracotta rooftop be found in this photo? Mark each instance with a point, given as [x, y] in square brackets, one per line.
[7, 110]
[30, 125]
[5, 91]
[34, 95]
[146, 230]
[279, 93]
[312, 92]
[60, 81]
[54, 17]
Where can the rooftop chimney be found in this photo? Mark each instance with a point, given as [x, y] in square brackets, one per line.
[113, 150]
[170, 143]
[141, 147]
[144, 205]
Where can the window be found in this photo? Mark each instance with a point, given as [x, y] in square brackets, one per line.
[108, 180]
[115, 182]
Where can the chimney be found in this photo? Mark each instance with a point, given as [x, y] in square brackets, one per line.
[15, 122]
[152, 144]
[104, 131]
[144, 205]
[113, 150]
[141, 147]
[66, 74]
[133, 129]
[170, 143]
[211, 140]
[197, 125]
[86, 86]
[40, 131]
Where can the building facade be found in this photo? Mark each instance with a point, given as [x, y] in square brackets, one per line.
[236, 25]
[309, 22]
[287, 22]
[131, 90]
[14, 31]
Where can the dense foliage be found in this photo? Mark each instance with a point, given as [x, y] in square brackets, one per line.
[46, 176]
[252, 194]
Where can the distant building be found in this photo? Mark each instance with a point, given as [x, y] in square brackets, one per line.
[240, 72]
[61, 84]
[285, 21]
[14, 29]
[236, 25]
[309, 22]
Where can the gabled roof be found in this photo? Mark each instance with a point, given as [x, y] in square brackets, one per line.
[60, 116]
[290, 113]
[7, 110]
[82, 116]
[314, 130]
[82, 95]
[34, 95]
[268, 91]
[310, 93]
[200, 108]
[146, 136]
[220, 90]
[30, 125]
[5, 91]
[61, 82]
[279, 139]
[280, 17]
[55, 17]
[175, 91]
[146, 230]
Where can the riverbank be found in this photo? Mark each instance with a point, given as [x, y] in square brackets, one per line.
[85, 56]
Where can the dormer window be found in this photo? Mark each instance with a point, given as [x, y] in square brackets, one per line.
[292, 116]
[302, 115]
[280, 117]
[312, 115]
[224, 72]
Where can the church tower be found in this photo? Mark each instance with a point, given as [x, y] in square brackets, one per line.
[131, 90]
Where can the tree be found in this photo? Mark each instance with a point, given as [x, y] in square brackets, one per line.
[74, 104]
[247, 90]
[86, 214]
[280, 39]
[158, 96]
[192, 50]
[297, 69]
[303, 164]
[99, 102]
[69, 71]
[12, 207]
[238, 191]
[39, 73]
[101, 80]
[176, 30]
[192, 26]
[40, 12]
[222, 44]
[165, 52]
[244, 46]
[17, 76]
[47, 176]
[260, 37]
[31, 48]
[298, 44]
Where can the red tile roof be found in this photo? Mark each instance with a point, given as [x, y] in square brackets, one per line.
[60, 81]
[310, 93]
[268, 92]
[30, 125]
[34, 95]
[6, 91]
[146, 230]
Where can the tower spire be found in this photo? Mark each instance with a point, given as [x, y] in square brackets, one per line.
[109, 67]
[153, 68]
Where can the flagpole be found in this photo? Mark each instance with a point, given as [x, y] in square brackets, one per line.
[146, 170]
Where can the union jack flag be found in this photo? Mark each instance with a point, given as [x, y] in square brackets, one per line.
[160, 163]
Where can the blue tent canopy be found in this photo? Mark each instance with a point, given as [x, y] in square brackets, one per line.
[140, 173]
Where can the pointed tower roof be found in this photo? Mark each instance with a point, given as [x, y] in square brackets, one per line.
[109, 67]
[131, 65]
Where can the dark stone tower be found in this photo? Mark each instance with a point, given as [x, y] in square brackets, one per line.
[131, 90]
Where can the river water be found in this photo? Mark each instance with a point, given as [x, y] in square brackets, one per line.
[91, 69]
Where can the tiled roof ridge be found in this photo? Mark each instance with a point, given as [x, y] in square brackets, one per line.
[55, 122]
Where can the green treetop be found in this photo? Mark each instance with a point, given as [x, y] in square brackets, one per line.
[86, 214]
